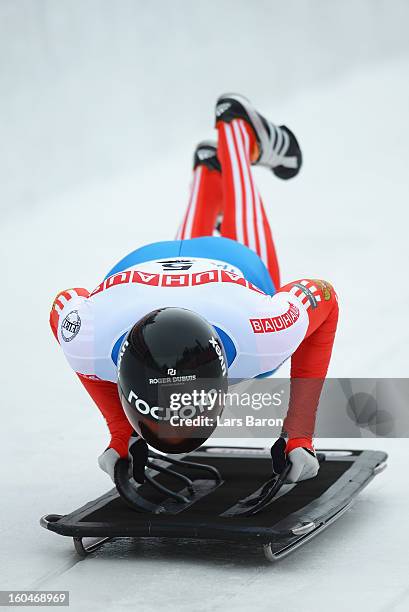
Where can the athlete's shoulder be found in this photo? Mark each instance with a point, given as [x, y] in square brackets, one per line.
[72, 323]
[311, 292]
[63, 310]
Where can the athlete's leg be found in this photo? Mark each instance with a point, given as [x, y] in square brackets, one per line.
[205, 201]
[244, 217]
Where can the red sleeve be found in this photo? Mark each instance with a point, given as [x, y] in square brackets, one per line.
[105, 395]
[309, 363]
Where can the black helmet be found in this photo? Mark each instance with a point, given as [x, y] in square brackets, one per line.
[172, 377]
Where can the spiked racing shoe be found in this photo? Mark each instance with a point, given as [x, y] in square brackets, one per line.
[278, 148]
[206, 155]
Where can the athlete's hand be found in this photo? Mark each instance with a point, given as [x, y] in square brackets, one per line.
[300, 452]
[107, 461]
[137, 457]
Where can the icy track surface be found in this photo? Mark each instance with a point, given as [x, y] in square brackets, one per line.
[351, 209]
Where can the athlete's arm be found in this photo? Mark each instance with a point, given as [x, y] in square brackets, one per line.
[103, 392]
[309, 362]
[105, 395]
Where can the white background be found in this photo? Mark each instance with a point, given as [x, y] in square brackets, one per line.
[101, 104]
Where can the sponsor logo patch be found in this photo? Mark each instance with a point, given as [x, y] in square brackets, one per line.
[70, 326]
[325, 287]
[269, 325]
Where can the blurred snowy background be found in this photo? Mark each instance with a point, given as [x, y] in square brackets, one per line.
[101, 104]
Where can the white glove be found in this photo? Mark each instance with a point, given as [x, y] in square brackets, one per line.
[304, 465]
[107, 462]
[137, 456]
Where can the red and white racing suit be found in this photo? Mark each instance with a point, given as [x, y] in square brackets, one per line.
[299, 320]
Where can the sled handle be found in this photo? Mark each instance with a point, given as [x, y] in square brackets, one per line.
[189, 464]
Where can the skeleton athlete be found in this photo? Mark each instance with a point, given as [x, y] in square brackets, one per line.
[230, 283]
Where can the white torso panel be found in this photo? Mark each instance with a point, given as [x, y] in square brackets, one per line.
[259, 331]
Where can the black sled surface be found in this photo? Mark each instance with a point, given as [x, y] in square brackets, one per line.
[221, 509]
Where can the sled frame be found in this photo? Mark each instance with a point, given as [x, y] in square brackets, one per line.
[277, 542]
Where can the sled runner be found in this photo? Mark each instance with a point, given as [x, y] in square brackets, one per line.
[221, 493]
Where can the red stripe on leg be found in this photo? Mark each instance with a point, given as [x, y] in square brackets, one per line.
[228, 228]
[238, 144]
[245, 130]
[183, 233]
[272, 260]
[209, 203]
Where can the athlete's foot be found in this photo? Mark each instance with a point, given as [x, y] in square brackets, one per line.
[206, 155]
[276, 147]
